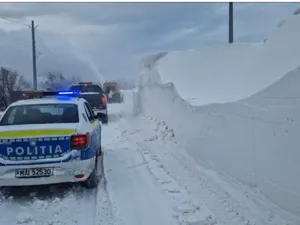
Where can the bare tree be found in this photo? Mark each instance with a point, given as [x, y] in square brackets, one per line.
[10, 81]
[54, 81]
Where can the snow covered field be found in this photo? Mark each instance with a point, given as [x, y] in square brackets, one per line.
[234, 109]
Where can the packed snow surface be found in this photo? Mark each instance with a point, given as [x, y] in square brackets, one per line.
[149, 179]
[116, 109]
[235, 109]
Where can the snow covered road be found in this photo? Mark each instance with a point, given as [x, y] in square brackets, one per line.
[45, 206]
[149, 179]
[137, 198]
[126, 196]
[198, 196]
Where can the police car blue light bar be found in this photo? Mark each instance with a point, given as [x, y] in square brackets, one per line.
[72, 93]
[40, 94]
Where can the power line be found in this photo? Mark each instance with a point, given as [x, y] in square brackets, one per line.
[34, 57]
[39, 52]
[16, 22]
[16, 39]
[13, 21]
[32, 27]
[45, 46]
[48, 50]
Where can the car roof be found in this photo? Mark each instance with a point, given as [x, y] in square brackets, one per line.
[90, 93]
[48, 100]
[83, 83]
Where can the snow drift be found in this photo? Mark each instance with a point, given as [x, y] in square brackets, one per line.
[248, 130]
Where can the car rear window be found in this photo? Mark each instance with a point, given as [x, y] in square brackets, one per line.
[87, 88]
[93, 99]
[40, 114]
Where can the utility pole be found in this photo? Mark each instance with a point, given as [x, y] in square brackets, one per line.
[230, 22]
[33, 27]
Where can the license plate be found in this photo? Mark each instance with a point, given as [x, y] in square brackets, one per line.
[34, 172]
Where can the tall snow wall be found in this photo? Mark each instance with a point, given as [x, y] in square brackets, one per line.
[246, 125]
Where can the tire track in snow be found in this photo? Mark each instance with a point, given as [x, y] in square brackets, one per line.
[104, 206]
[49, 205]
[238, 207]
[210, 219]
[186, 210]
[227, 209]
[137, 199]
[61, 204]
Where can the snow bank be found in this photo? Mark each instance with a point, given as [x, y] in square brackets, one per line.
[226, 73]
[203, 76]
[254, 140]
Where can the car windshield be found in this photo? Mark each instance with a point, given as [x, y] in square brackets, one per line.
[40, 114]
[88, 88]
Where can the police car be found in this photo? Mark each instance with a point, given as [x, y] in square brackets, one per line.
[52, 138]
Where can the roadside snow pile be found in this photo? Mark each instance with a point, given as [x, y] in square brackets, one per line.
[253, 139]
[226, 73]
[207, 76]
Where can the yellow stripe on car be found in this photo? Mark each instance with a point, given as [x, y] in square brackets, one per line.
[36, 133]
[95, 124]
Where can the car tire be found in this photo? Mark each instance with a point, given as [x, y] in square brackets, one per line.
[101, 175]
[105, 121]
[93, 180]
[100, 151]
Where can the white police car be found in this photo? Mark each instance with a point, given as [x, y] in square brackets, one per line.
[47, 140]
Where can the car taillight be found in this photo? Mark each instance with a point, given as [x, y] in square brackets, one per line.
[80, 141]
[103, 100]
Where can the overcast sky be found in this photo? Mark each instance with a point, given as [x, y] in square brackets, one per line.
[88, 39]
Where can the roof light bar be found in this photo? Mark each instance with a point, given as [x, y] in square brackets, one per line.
[85, 82]
[40, 94]
[73, 93]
